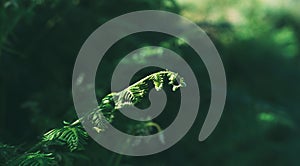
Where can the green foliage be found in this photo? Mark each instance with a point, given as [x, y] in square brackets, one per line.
[133, 94]
[157, 81]
[172, 78]
[74, 136]
[258, 41]
[34, 159]
[128, 97]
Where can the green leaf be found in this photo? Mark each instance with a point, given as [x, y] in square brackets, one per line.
[74, 136]
[158, 81]
[34, 159]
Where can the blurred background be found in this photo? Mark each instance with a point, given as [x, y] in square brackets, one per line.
[258, 41]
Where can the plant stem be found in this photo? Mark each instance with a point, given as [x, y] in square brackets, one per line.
[148, 77]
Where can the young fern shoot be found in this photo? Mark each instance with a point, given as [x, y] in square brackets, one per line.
[128, 97]
[74, 137]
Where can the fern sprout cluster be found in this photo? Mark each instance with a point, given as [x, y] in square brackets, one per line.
[73, 137]
[134, 93]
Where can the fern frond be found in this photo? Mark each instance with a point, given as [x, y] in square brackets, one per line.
[98, 120]
[128, 97]
[73, 136]
[34, 159]
[158, 81]
[102, 115]
[134, 93]
[172, 78]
